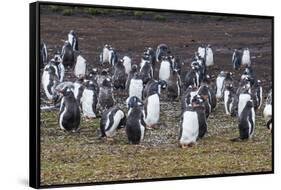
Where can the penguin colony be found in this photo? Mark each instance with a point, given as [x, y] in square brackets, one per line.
[91, 95]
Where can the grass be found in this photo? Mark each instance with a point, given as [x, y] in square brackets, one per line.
[83, 157]
[68, 12]
[160, 17]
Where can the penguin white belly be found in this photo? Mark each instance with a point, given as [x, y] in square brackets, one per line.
[260, 96]
[201, 52]
[153, 110]
[164, 71]
[190, 128]
[267, 112]
[142, 63]
[45, 82]
[80, 67]
[116, 120]
[246, 58]
[135, 89]
[127, 64]
[111, 57]
[87, 103]
[105, 56]
[209, 57]
[243, 99]
[76, 89]
[142, 129]
[61, 70]
[226, 97]
[192, 94]
[70, 39]
[252, 126]
[61, 118]
[219, 82]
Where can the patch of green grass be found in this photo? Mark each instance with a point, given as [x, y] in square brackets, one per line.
[55, 8]
[138, 14]
[67, 12]
[160, 17]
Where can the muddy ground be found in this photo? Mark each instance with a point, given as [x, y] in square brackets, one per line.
[83, 157]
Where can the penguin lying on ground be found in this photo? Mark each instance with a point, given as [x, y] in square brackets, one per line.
[111, 120]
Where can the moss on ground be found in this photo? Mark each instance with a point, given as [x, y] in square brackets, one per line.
[83, 157]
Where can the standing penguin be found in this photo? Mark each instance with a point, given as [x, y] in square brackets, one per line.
[201, 52]
[152, 105]
[131, 75]
[193, 123]
[105, 98]
[209, 56]
[146, 72]
[192, 78]
[111, 120]
[69, 116]
[220, 84]
[80, 67]
[49, 82]
[108, 55]
[165, 69]
[67, 55]
[119, 75]
[89, 100]
[135, 125]
[246, 122]
[43, 54]
[236, 59]
[136, 86]
[267, 112]
[73, 40]
[162, 50]
[174, 85]
[244, 97]
[78, 89]
[150, 53]
[229, 95]
[187, 97]
[127, 62]
[246, 58]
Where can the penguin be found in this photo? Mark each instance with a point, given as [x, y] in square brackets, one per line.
[246, 58]
[80, 67]
[191, 78]
[136, 86]
[150, 84]
[209, 56]
[108, 55]
[246, 122]
[146, 72]
[212, 90]
[152, 105]
[176, 65]
[78, 89]
[43, 54]
[267, 111]
[119, 75]
[244, 97]
[135, 125]
[236, 59]
[165, 69]
[150, 53]
[229, 94]
[131, 75]
[57, 62]
[201, 52]
[205, 95]
[67, 55]
[193, 123]
[256, 92]
[89, 100]
[127, 62]
[73, 40]
[49, 82]
[69, 115]
[248, 73]
[220, 84]
[104, 75]
[187, 96]
[174, 85]
[162, 50]
[112, 120]
[105, 98]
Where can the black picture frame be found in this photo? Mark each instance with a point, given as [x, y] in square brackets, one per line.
[34, 98]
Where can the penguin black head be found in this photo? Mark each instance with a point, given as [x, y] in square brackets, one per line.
[134, 68]
[67, 92]
[134, 102]
[197, 101]
[249, 104]
[106, 46]
[107, 82]
[72, 32]
[163, 84]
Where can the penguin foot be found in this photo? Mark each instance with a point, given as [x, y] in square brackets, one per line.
[185, 146]
[110, 139]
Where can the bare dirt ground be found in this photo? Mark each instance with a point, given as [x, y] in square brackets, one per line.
[83, 158]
